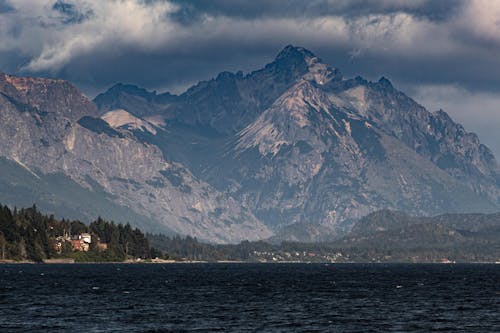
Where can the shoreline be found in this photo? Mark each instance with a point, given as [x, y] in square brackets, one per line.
[70, 261]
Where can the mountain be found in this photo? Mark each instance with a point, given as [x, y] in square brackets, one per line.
[225, 104]
[69, 161]
[309, 151]
[382, 236]
[388, 220]
[292, 151]
[395, 236]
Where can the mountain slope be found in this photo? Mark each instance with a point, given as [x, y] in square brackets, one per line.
[322, 165]
[432, 135]
[51, 140]
[293, 151]
[58, 194]
[309, 151]
[395, 236]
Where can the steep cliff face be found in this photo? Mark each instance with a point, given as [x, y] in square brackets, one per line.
[309, 151]
[45, 139]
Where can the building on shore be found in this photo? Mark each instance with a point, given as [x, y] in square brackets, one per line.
[79, 242]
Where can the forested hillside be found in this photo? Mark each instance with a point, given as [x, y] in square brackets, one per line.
[27, 234]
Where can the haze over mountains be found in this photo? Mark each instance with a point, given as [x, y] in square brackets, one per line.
[291, 151]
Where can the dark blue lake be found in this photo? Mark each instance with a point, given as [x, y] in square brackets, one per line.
[249, 298]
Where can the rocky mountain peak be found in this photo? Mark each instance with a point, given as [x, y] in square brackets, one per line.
[315, 70]
[47, 95]
[131, 89]
[6, 88]
[132, 98]
[384, 82]
[291, 51]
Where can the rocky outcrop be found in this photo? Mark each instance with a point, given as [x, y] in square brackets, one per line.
[46, 95]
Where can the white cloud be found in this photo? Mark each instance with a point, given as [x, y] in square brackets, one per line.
[52, 44]
[37, 31]
[481, 19]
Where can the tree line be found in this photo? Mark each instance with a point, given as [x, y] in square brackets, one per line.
[27, 234]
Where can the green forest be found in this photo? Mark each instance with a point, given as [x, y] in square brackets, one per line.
[28, 235]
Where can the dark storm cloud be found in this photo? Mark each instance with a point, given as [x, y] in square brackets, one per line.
[173, 71]
[5, 7]
[400, 39]
[190, 11]
[70, 13]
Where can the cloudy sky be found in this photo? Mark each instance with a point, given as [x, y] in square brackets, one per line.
[445, 54]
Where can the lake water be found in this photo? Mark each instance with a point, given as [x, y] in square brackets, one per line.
[249, 298]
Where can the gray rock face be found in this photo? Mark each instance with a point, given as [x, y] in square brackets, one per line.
[46, 95]
[131, 173]
[323, 162]
[432, 135]
[308, 151]
[293, 151]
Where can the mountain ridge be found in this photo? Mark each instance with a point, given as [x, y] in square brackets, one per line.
[132, 174]
[384, 108]
[293, 151]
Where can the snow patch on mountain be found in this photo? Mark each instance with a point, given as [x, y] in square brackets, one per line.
[123, 119]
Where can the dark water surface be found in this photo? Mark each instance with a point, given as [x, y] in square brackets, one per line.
[249, 298]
